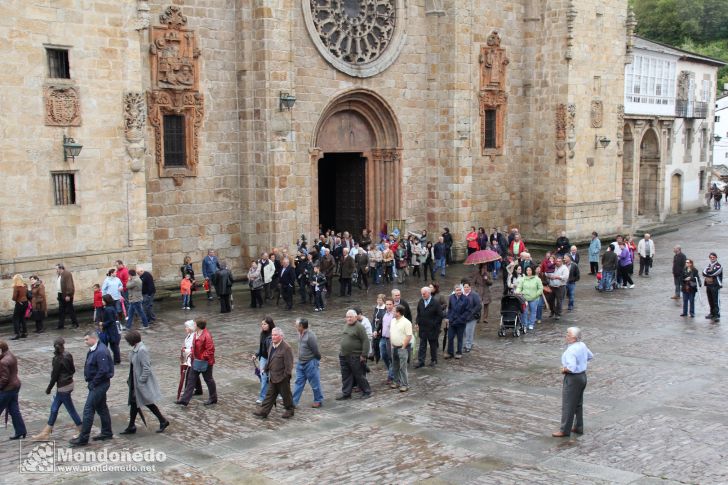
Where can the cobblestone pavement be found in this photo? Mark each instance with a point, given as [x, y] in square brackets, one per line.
[653, 411]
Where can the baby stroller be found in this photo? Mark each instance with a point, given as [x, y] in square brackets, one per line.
[511, 311]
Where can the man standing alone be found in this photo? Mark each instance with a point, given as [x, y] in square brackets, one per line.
[307, 367]
[573, 366]
[352, 358]
[279, 369]
[646, 250]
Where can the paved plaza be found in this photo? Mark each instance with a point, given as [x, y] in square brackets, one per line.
[654, 404]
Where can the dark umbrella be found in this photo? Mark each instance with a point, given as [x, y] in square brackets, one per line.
[141, 415]
[483, 256]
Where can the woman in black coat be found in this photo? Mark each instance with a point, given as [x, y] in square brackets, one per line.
[109, 330]
[690, 285]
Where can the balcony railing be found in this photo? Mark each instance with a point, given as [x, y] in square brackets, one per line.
[691, 109]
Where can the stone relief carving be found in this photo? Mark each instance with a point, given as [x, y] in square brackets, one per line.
[175, 90]
[174, 52]
[357, 32]
[192, 106]
[63, 107]
[597, 113]
[561, 132]
[135, 120]
[571, 128]
[493, 63]
[570, 18]
[620, 130]
[143, 17]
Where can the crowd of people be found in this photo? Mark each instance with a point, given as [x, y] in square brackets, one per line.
[393, 335]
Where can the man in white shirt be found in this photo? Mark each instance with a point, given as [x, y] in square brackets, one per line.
[646, 250]
[573, 366]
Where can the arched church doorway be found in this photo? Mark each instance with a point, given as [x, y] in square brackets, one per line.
[356, 164]
[649, 174]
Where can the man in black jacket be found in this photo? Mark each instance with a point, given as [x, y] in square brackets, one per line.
[429, 321]
[678, 265]
[148, 291]
[223, 282]
[574, 276]
[287, 282]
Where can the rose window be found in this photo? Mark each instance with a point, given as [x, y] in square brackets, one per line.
[354, 31]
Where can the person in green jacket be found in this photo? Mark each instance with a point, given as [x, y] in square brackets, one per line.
[531, 289]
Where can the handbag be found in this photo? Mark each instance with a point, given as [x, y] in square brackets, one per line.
[199, 365]
[709, 280]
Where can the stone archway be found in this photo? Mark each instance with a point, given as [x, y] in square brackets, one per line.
[649, 176]
[358, 127]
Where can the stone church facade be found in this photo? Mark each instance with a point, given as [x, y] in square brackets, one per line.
[239, 125]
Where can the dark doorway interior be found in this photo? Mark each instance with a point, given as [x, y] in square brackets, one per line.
[342, 192]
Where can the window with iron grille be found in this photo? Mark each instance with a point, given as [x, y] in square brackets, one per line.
[174, 141]
[58, 64]
[489, 131]
[64, 188]
[701, 179]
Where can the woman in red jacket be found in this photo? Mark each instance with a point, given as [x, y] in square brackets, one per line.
[203, 359]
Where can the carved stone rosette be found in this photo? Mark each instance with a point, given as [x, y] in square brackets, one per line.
[62, 105]
[561, 132]
[597, 113]
[135, 120]
[175, 90]
[192, 106]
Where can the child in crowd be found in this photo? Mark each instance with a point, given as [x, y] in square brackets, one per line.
[185, 287]
[98, 304]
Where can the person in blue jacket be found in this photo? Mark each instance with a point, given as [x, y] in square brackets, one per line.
[210, 265]
[457, 315]
[98, 372]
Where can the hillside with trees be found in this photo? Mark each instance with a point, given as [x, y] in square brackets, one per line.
[699, 26]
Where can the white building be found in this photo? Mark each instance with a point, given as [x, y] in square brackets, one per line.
[668, 133]
[720, 145]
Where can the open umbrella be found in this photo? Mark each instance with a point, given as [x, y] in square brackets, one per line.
[482, 256]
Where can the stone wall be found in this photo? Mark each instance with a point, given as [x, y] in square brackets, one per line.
[204, 212]
[109, 219]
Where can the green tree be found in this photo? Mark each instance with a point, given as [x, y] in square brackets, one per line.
[699, 26]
